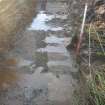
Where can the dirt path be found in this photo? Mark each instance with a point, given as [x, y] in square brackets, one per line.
[44, 73]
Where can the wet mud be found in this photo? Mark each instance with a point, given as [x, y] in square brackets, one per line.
[40, 70]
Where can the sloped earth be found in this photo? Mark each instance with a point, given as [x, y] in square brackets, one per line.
[40, 70]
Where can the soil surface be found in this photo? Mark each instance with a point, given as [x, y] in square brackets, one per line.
[40, 70]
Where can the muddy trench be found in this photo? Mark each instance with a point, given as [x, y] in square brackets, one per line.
[39, 70]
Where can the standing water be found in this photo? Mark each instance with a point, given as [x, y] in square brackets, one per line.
[39, 22]
[44, 67]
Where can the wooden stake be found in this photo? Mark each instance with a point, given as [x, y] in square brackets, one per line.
[82, 30]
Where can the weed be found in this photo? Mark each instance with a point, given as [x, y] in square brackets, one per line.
[97, 88]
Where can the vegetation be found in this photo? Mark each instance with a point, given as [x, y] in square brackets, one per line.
[94, 88]
[95, 91]
[97, 88]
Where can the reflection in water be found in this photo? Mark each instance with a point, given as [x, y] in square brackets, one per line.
[24, 63]
[8, 62]
[14, 16]
[35, 85]
[7, 77]
[58, 41]
[7, 73]
[54, 39]
[43, 4]
[53, 49]
[41, 58]
[39, 23]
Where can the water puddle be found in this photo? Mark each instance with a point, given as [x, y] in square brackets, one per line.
[23, 63]
[53, 49]
[46, 81]
[8, 63]
[7, 78]
[8, 74]
[56, 40]
[59, 63]
[62, 17]
[60, 90]
[42, 66]
[39, 23]
[41, 79]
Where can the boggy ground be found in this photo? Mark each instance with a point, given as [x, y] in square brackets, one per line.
[39, 70]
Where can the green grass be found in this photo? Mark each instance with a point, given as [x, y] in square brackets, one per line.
[95, 94]
[97, 88]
